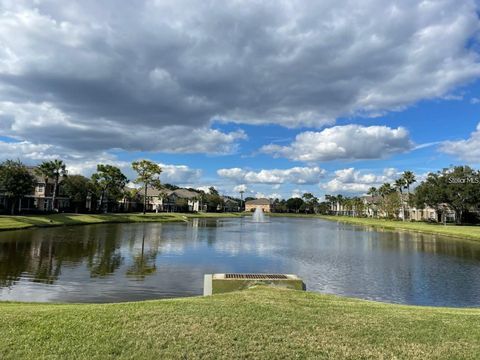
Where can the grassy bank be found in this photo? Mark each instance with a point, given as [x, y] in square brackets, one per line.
[465, 232]
[255, 323]
[23, 222]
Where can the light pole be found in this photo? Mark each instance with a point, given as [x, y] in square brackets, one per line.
[241, 199]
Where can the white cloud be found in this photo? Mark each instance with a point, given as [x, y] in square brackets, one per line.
[297, 193]
[466, 150]
[355, 181]
[348, 142]
[261, 195]
[239, 188]
[154, 75]
[179, 174]
[78, 162]
[41, 122]
[295, 175]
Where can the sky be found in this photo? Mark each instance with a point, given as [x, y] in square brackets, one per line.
[275, 98]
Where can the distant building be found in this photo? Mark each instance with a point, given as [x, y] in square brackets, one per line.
[171, 200]
[263, 204]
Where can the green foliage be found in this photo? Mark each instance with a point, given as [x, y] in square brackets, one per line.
[310, 203]
[408, 178]
[148, 173]
[77, 188]
[15, 180]
[170, 186]
[294, 204]
[213, 200]
[390, 204]
[108, 182]
[213, 191]
[457, 187]
[56, 170]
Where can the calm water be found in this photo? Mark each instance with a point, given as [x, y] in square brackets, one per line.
[106, 263]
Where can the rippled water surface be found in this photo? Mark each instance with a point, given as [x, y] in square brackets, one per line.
[124, 262]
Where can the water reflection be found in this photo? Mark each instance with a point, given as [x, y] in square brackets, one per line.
[121, 262]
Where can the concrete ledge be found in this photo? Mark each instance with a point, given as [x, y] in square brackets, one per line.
[222, 283]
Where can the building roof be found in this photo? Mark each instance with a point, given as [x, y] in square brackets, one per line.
[185, 194]
[181, 193]
[258, 202]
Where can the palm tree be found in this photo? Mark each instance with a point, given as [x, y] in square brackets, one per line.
[408, 179]
[58, 168]
[372, 191]
[385, 189]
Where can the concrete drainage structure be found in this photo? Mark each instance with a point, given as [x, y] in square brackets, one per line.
[222, 283]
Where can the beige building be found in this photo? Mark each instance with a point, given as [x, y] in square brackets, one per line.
[40, 198]
[171, 200]
[263, 204]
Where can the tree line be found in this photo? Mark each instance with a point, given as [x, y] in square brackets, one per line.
[104, 189]
[455, 189]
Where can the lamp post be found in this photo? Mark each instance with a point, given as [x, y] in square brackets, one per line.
[241, 199]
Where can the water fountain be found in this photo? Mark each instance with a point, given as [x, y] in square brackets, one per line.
[258, 215]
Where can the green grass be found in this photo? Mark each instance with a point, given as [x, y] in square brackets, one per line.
[465, 232]
[22, 222]
[255, 323]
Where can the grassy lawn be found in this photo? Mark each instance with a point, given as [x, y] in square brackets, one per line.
[22, 222]
[255, 323]
[466, 232]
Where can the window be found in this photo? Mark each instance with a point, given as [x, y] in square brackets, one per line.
[40, 188]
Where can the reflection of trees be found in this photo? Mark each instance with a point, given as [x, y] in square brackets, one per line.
[144, 263]
[47, 268]
[104, 256]
[14, 260]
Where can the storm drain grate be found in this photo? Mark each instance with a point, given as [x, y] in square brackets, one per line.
[256, 276]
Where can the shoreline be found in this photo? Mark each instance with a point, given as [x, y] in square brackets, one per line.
[19, 222]
[23, 222]
[465, 232]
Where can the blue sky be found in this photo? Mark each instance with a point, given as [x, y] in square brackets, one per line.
[274, 98]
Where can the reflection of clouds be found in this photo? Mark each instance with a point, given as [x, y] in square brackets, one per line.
[246, 237]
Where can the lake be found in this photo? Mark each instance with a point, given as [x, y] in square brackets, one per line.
[127, 262]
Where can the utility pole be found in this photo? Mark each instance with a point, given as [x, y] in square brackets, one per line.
[241, 199]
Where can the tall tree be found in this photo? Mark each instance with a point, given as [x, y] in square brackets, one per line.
[77, 188]
[58, 171]
[16, 181]
[148, 175]
[108, 181]
[311, 202]
[408, 179]
[55, 170]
